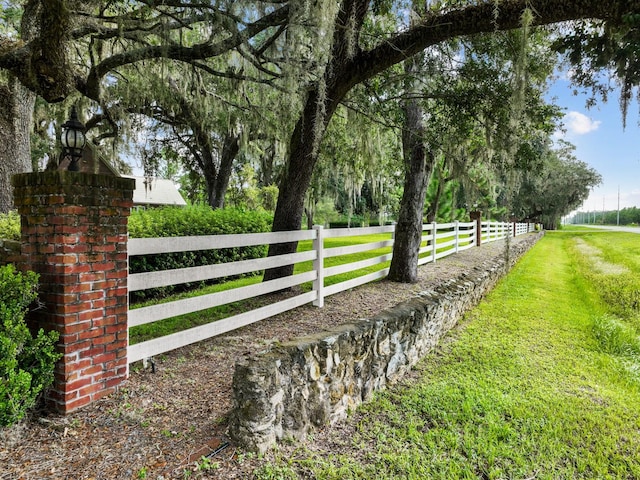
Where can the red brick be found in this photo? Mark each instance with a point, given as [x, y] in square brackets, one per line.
[78, 267]
[77, 247]
[69, 338]
[76, 367]
[61, 396]
[117, 273]
[104, 358]
[91, 258]
[98, 303]
[91, 389]
[78, 384]
[65, 395]
[65, 241]
[79, 347]
[106, 247]
[105, 321]
[104, 375]
[115, 327]
[91, 295]
[103, 267]
[78, 229]
[104, 340]
[69, 358]
[114, 382]
[74, 327]
[77, 288]
[59, 299]
[121, 310]
[92, 371]
[90, 315]
[92, 333]
[116, 238]
[115, 345]
[70, 406]
[105, 285]
[70, 210]
[72, 308]
[93, 353]
[65, 259]
[92, 277]
[113, 301]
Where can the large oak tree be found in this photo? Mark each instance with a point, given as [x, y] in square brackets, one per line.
[350, 64]
[65, 47]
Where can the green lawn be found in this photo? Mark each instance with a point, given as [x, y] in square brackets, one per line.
[542, 381]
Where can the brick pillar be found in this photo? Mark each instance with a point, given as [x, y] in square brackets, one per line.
[74, 234]
[476, 216]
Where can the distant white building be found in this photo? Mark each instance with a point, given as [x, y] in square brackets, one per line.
[155, 192]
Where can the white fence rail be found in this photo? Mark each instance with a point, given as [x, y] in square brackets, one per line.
[438, 240]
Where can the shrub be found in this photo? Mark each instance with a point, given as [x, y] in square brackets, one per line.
[193, 220]
[26, 363]
[9, 226]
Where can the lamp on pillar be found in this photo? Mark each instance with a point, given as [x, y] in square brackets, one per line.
[73, 140]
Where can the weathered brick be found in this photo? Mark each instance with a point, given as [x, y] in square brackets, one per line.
[91, 389]
[74, 233]
[94, 333]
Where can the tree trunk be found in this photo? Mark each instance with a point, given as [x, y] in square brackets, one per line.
[418, 168]
[217, 188]
[309, 213]
[296, 180]
[432, 211]
[267, 160]
[310, 128]
[16, 114]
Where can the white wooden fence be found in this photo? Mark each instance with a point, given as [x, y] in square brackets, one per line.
[439, 240]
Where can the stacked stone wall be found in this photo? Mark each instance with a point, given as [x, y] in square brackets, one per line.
[316, 380]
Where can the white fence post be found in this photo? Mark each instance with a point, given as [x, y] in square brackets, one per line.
[434, 234]
[318, 265]
[456, 229]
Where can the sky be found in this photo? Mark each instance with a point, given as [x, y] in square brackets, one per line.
[603, 144]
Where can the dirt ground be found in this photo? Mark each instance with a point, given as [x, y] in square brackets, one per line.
[171, 421]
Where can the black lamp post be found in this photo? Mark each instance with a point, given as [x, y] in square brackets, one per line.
[73, 139]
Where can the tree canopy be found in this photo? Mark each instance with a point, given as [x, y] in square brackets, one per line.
[318, 93]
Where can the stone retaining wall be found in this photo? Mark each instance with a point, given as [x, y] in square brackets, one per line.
[316, 380]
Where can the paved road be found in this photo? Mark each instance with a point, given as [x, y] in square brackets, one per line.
[613, 228]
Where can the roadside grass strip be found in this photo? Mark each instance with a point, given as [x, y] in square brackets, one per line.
[536, 383]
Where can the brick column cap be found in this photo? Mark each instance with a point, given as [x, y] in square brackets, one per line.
[62, 177]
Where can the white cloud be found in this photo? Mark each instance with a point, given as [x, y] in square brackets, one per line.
[579, 124]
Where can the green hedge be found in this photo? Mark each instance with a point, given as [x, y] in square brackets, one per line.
[26, 363]
[189, 221]
[9, 226]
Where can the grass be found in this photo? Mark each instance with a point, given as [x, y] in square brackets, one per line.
[527, 389]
